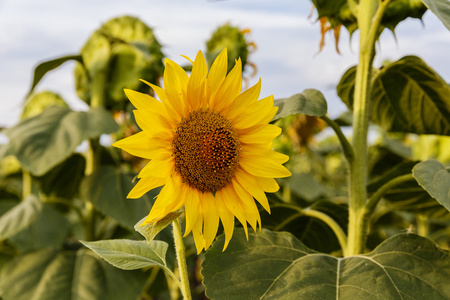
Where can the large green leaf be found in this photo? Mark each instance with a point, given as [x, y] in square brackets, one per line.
[407, 96]
[275, 265]
[64, 180]
[435, 179]
[107, 188]
[49, 65]
[310, 102]
[130, 254]
[49, 229]
[19, 217]
[54, 275]
[44, 141]
[441, 8]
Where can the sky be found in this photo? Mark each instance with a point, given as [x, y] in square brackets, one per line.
[287, 56]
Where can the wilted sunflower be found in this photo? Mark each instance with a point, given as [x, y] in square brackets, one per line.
[209, 145]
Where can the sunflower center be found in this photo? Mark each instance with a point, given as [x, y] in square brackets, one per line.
[206, 149]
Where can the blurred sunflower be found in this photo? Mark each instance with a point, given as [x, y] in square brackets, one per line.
[209, 145]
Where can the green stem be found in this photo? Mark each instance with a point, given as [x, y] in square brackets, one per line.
[346, 147]
[181, 257]
[423, 227]
[369, 18]
[27, 183]
[340, 234]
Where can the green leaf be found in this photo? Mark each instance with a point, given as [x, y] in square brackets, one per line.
[37, 103]
[149, 231]
[310, 102]
[441, 8]
[52, 275]
[49, 229]
[19, 217]
[107, 188]
[130, 254]
[42, 142]
[275, 265]
[407, 96]
[49, 65]
[64, 180]
[435, 179]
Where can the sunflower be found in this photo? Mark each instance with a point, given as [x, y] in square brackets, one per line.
[209, 145]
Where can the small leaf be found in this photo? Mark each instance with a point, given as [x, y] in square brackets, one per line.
[275, 265]
[107, 188]
[441, 8]
[149, 231]
[130, 254]
[42, 142]
[435, 179]
[310, 102]
[19, 217]
[49, 65]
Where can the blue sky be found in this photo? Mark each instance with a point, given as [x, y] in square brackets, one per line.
[287, 56]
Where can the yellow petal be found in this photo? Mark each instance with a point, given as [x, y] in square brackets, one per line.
[166, 198]
[255, 114]
[260, 134]
[229, 89]
[250, 183]
[175, 83]
[152, 123]
[144, 101]
[248, 204]
[263, 168]
[211, 221]
[191, 208]
[174, 116]
[144, 185]
[217, 74]
[158, 168]
[196, 86]
[263, 153]
[269, 185]
[197, 232]
[231, 200]
[248, 97]
[226, 217]
[138, 144]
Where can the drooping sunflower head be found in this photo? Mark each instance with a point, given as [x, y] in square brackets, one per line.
[209, 145]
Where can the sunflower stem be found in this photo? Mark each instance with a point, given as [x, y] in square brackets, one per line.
[27, 183]
[370, 13]
[181, 258]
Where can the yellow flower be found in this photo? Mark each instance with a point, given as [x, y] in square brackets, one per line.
[209, 145]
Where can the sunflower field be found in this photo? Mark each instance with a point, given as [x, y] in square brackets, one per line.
[180, 181]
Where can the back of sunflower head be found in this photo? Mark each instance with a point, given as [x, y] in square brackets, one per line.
[115, 57]
[234, 40]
